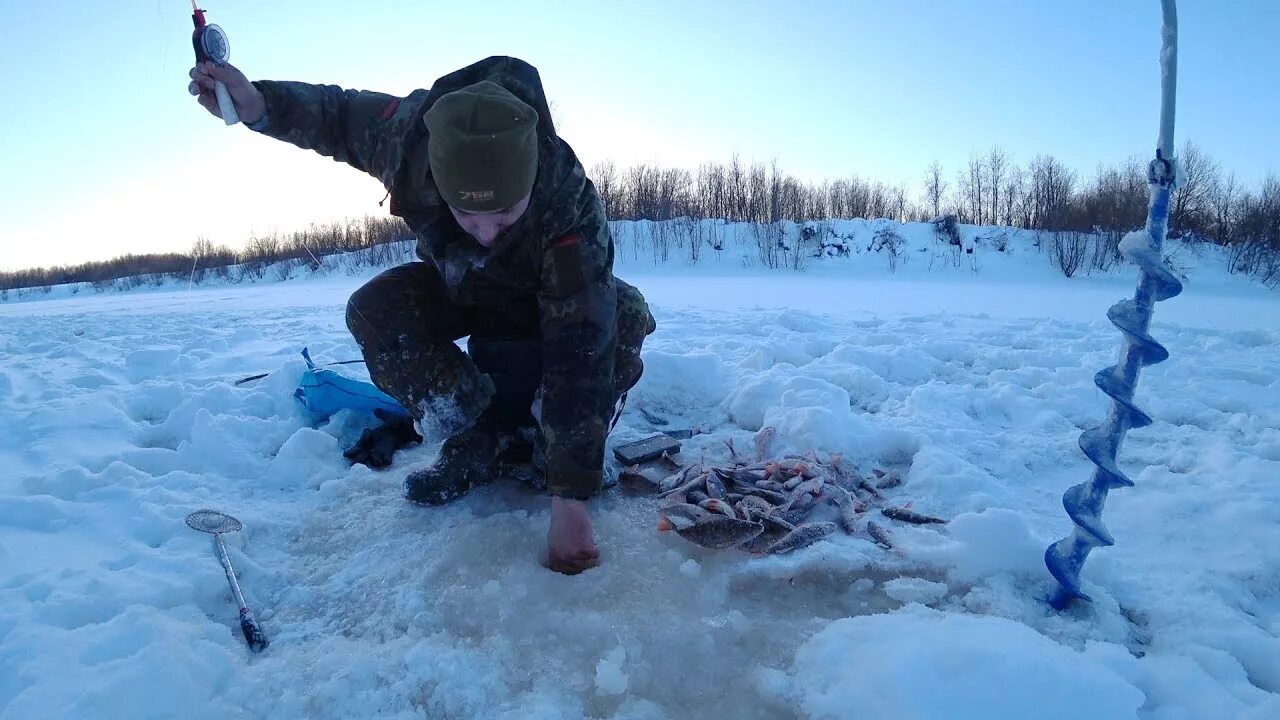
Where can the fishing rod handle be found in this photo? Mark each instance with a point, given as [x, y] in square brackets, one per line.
[248, 623]
[252, 631]
[228, 108]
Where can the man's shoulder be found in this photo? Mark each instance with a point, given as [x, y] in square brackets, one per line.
[399, 120]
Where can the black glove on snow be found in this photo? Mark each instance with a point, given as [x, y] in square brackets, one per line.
[377, 445]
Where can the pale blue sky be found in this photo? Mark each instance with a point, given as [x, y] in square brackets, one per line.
[105, 153]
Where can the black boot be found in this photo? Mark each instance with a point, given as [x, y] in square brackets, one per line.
[466, 460]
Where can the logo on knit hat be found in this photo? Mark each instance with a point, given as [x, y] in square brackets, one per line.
[476, 195]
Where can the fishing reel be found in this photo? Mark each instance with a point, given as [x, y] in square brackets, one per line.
[211, 45]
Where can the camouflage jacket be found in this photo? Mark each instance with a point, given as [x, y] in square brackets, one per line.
[559, 254]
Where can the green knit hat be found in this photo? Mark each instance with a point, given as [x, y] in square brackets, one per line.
[483, 147]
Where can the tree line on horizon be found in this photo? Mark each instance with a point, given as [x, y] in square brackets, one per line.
[1210, 205]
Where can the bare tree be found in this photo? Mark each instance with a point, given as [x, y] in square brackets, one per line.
[675, 191]
[1224, 201]
[934, 187]
[1189, 206]
[712, 191]
[816, 202]
[838, 199]
[1052, 188]
[775, 193]
[960, 198]
[1255, 248]
[736, 178]
[857, 198]
[641, 182]
[997, 161]
[899, 202]
[605, 177]
[1012, 197]
[976, 182]
[757, 196]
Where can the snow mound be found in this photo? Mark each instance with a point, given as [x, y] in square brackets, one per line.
[994, 541]
[915, 590]
[809, 413]
[921, 664]
[677, 381]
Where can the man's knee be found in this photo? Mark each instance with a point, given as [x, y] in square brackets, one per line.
[359, 327]
[404, 300]
[635, 323]
[365, 310]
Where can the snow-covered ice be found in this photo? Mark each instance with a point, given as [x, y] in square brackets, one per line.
[118, 416]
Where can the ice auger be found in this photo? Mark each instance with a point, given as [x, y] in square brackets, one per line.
[1084, 502]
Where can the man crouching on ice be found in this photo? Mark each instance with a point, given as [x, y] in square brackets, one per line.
[515, 253]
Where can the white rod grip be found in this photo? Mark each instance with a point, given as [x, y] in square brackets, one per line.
[225, 105]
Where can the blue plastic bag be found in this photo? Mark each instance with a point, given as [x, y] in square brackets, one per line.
[324, 392]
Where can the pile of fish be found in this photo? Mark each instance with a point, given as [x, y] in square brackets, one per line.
[772, 506]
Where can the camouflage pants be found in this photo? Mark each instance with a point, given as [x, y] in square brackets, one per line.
[408, 327]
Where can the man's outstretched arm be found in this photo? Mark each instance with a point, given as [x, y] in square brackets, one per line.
[350, 126]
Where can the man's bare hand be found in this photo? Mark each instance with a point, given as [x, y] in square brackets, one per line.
[250, 105]
[571, 544]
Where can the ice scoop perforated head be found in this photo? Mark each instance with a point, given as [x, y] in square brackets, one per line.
[212, 521]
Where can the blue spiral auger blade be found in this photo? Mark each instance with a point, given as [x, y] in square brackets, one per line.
[1084, 502]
